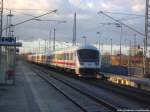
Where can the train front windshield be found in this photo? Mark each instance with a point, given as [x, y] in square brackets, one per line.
[86, 55]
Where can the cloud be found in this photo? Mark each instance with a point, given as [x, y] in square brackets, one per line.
[137, 5]
[75, 2]
[39, 4]
[95, 5]
[32, 4]
[107, 6]
[87, 17]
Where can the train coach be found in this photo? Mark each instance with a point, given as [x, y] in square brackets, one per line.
[84, 60]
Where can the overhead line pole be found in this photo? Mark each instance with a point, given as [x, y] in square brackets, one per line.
[54, 40]
[147, 28]
[74, 30]
[1, 18]
[50, 38]
[121, 44]
[111, 45]
[1, 27]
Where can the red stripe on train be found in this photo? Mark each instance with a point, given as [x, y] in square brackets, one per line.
[64, 63]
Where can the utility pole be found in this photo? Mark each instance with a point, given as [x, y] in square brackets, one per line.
[102, 48]
[111, 45]
[1, 28]
[50, 38]
[135, 46]
[45, 46]
[121, 45]
[147, 31]
[1, 18]
[99, 34]
[10, 26]
[96, 43]
[84, 37]
[7, 25]
[39, 47]
[74, 30]
[54, 40]
[129, 58]
[111, 51]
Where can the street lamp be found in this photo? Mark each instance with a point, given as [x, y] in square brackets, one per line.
[120, 51]
[54, 29]
[119, 25]
[111, 46]
[84, 37]
[98, 33]
[54, 39]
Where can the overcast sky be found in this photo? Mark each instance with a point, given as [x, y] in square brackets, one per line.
[88, 21]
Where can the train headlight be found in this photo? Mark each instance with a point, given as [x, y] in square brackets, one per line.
[97, 63]
[81, 63]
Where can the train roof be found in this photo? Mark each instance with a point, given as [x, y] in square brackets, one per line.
[88, 46]
[69, 49]
[74, 48]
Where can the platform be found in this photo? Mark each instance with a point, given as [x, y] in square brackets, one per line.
[141, 83]
[31, 94]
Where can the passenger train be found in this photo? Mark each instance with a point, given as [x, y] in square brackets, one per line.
[84, 60]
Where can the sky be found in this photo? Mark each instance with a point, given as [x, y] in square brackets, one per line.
[88, 20]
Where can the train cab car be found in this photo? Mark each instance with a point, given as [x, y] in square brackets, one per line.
[85, 60]
[88, 61]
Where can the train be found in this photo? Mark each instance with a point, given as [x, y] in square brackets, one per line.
[84, 60]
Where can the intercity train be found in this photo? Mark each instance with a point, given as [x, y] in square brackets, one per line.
[85, 60]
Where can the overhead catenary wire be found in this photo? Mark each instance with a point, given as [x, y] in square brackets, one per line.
[101, 12]
[35, 16]
[123, 13]
[22, 13]
[131, 18]
[53, 11]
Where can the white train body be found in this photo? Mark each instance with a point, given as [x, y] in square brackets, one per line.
[83, 60]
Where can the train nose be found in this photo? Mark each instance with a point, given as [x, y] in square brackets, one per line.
[89, 64]
[82, 63]
[88, 71]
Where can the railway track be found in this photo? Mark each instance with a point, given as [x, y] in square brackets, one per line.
[108, 104]
[97, 103]
[139, 95]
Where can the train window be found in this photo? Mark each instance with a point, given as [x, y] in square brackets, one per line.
[71, 56]
[67, 56]
[57, 56]
[43, 57]
[48, 57]
[51, 57]
[88, 55]
[60, 56]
